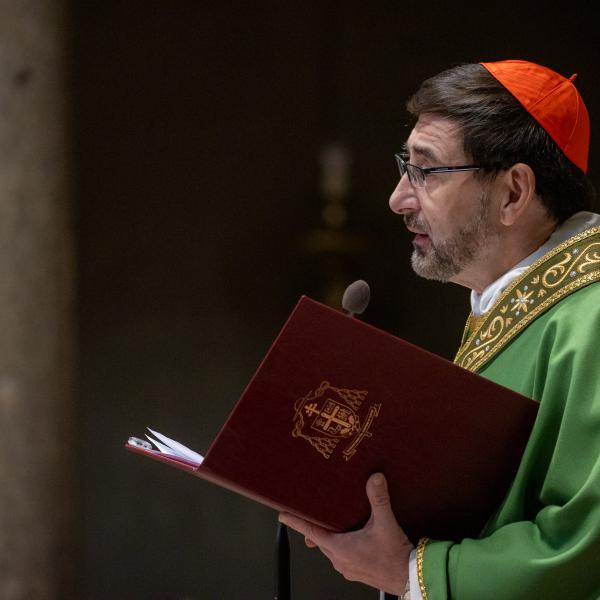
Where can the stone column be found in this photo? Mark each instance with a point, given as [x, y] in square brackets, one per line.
[37, 482]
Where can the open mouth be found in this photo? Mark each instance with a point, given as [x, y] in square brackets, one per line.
[420, 238]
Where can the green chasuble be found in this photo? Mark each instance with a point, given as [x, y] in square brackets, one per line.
[541, 339]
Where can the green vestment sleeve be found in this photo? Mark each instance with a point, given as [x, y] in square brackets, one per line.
[544, 541]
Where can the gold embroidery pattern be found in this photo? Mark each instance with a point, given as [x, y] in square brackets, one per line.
[579, 261]
[420, 556]
[547, 281]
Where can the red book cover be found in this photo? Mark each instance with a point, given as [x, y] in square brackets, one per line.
[336, 399]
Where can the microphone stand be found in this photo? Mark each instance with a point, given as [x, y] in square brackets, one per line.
[282, 563]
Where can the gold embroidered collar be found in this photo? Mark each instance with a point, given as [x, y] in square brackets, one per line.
[570, 266]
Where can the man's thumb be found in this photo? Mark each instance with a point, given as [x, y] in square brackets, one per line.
[377, 492]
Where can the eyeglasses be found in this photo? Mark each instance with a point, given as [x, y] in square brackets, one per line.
[418, 176]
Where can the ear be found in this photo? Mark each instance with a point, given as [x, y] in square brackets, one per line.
[519, 191]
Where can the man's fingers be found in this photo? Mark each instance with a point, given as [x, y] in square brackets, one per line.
[314, 533]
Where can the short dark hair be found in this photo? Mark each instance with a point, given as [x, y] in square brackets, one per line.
[499, 132]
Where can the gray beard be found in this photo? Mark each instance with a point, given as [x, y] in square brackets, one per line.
[449, 257]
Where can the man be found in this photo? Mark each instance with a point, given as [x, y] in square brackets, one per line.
[493, 186]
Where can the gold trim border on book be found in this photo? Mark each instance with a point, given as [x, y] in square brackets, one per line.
[420, 556]
[540, 287]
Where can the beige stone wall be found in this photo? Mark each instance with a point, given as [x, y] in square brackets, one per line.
[36, 307]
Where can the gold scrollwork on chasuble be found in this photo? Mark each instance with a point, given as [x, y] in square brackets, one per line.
[570, 266]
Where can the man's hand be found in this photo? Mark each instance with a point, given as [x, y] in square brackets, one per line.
[376, 555]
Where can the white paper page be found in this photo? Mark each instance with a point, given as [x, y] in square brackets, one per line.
[174, 448]
[163, 449]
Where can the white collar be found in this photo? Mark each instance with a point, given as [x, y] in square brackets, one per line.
[481, 303]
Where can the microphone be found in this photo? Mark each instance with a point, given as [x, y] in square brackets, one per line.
[356, 297]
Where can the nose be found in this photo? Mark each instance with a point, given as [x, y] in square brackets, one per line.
[403, 199]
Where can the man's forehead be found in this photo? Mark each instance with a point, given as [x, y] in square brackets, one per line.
[435, 137]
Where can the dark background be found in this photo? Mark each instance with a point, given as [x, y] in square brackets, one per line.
[196, 132]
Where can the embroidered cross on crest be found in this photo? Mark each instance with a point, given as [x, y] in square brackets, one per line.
[328, 415]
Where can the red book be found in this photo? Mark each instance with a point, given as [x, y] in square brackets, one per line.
[335, 400]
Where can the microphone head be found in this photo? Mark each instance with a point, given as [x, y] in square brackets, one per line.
[356, 297]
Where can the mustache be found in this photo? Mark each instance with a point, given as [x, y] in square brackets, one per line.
[414, 222]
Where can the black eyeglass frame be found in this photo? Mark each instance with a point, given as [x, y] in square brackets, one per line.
[407, 168]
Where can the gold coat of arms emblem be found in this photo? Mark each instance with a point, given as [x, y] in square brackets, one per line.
[328, 416]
